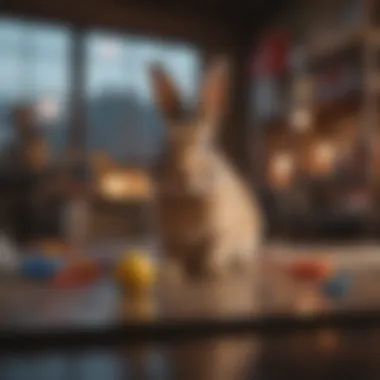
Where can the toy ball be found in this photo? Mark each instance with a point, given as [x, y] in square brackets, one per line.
[135, 271]
[39, 267]
[337, 286]
[310, 270]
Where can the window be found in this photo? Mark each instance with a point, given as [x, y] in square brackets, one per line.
[34, 68]
[122, 119]
[122, 123]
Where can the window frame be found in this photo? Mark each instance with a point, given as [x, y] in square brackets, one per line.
[77, 124]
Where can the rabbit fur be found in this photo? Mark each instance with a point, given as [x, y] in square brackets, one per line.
[207, 217]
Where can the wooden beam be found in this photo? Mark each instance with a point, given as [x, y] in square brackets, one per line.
[124, 18]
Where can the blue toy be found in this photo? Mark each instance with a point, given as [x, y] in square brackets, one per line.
[337, 286]
[40, 267]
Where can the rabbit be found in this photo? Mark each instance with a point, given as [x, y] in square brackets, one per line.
[208, 221]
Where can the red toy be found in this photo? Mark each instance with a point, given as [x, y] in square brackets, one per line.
[77, 274]
[309, 270]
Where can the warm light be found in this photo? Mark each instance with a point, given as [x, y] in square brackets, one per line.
[119, 185]
[47, 109]
[323, 157]
[300, 120]
[281, 169]
[113, 185]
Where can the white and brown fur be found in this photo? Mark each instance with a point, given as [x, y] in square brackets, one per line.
[207, 217]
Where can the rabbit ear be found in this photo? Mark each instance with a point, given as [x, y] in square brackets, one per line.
[213, 97]
[165, 92]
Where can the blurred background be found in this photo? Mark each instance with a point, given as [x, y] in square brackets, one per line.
[92, 128]
[315, 121]
[80, 133]
[78, 120]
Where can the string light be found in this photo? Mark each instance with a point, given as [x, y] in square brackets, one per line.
[301, 120]
[282, 168]
[122, 184]
[324, 157]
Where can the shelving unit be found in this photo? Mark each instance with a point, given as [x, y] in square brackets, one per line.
[347, 43]
[354, 46]
[357, 44]
[360, 42]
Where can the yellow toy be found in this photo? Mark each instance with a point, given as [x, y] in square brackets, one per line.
[135, 271]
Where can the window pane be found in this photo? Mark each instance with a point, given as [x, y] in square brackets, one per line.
[121, 114]
[34, 72]
[34, 64]
[125, 132]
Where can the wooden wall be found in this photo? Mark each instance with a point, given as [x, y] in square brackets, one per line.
[116, 14]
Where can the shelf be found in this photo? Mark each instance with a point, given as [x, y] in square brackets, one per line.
[349, 42]
[347, 45]
[327, 111]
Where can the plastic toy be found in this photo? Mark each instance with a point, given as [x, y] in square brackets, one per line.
[337, 286]
[77, 274]
[87, 269]
[135, 271]
[66, 279]
[310, 270]
[40, 267]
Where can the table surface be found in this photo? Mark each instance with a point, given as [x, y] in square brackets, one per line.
[319, 354]
[238, 299]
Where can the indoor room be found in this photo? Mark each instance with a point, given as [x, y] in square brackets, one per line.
[189, 191]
